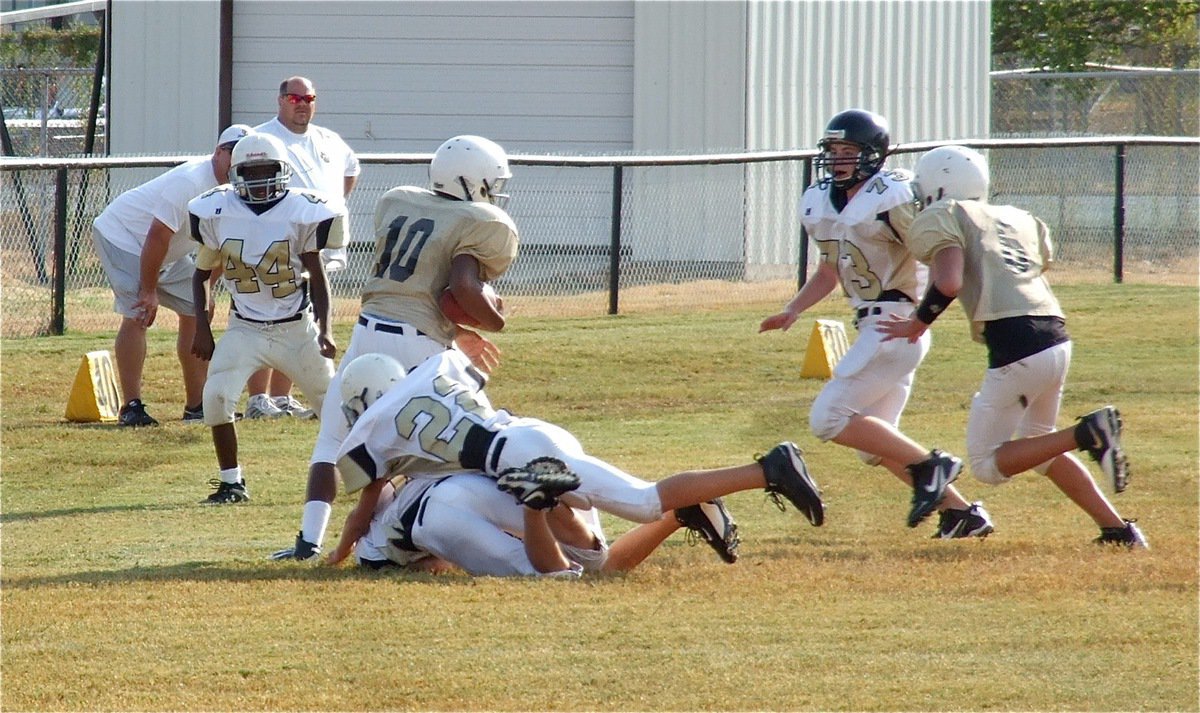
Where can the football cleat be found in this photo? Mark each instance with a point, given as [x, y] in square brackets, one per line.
[539, 484]
[303, 551]
[1099, 434]
[1130, 536]
[712, 523]
[930, 479]
[972, 522]
[787, 477]
[261, 406]
[291, 407]
[227, 493]
[193, 415]
[134, 414]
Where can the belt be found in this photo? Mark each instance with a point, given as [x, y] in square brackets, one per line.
[389, 328]
[293, 318]
[875, 309]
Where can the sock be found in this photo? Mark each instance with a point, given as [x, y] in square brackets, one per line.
[315, 520]
[233, 475]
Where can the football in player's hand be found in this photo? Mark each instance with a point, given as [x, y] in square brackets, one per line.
[454, 311]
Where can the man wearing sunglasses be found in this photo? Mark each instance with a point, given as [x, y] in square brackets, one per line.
[322, 161]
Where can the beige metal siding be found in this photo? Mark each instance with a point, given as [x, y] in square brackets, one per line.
[538, 77]
[163, 78]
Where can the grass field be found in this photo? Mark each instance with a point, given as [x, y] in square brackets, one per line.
[119, 592]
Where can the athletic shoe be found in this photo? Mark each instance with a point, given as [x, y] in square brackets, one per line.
[261, 406]
[193, 415]
[227, 493]
[972, 522]
[539, 483]
[712, 523]
[134, 414]
[787, 476]
[1130, 535]
[930, 479]
[291, 407]
[303, 550]
[1099, 433]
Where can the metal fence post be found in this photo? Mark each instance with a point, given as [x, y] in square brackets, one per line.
[1119, 217]
[614, 248]
[802, 262]
[59, 298]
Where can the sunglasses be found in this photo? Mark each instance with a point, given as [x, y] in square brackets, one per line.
[297, 98]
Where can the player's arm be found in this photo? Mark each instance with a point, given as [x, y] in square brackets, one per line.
[822, 282]
[318, 291]
[202, 338]
[946, 270]
[348, 184]
[467, 288]
[358, 520]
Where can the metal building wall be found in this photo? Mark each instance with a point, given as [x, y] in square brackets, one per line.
[163, 78]
[923, 64]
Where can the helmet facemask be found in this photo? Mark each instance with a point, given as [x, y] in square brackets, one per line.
[866, 164]
[261, 181]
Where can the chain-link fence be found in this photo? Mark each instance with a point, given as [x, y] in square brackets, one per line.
[1144, 102]
[46, 112]
[693, 232]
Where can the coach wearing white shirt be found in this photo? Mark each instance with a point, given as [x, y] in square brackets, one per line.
[320, 159]
[143, 241]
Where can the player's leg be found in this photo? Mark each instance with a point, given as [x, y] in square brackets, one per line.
[237, 354]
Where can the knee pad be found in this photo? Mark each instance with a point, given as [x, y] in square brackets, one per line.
[826, 420]
[985, 471]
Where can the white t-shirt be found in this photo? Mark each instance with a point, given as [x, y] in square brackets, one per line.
[320, 160]
[126, 221]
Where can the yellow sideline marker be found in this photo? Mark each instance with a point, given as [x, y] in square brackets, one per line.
[826, 346]
[94, 395]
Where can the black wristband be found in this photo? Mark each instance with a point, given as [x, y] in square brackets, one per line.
[933, 305]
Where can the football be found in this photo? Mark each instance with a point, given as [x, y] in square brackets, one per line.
[454, 311]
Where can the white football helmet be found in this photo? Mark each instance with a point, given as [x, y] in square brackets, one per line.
[955, 172]
[256, 150]
[365, 379]
[470, 168]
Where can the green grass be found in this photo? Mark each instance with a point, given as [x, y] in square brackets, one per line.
[121, 593]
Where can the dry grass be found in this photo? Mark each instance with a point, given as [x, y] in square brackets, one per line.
[120, 593]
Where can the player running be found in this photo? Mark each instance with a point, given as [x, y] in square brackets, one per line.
[994, 258]
[858, 214]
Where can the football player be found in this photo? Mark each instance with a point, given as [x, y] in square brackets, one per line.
[466, 522]
[323, 161]
[858, 214]
[266, 238]
[439, 415]
[994, 257]
[456, 235]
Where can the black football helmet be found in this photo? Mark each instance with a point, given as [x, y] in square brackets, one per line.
[868, 131]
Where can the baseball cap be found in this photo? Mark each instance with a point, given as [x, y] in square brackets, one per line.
[233, 133]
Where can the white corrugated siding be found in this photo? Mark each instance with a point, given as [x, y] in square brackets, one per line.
[163, 78]
[923, 64]
[544, 77]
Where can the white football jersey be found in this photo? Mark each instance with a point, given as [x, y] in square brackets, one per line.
[865, 242]
[421, 421]
[417, 235]
[1006, 250]
[261, 253]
